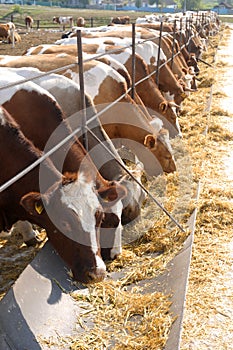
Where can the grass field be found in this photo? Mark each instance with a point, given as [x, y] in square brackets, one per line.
[226, 18]
[45, 14]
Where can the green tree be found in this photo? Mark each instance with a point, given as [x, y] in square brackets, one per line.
[157, 2]
[191, 4]
[138, 3]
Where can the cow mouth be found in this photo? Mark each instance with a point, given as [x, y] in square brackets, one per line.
[90, 276]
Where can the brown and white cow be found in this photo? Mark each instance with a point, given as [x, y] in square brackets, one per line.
[104, 85]
[67, 94]
[38, 125]
[151, 55]
[64, 21]
[147, 90]
[54, 209]
[148, 51]
[8, 33]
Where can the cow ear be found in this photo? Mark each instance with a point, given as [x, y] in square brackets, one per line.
[32, 202]
[163, 106]
[150, 142]
[112, 193]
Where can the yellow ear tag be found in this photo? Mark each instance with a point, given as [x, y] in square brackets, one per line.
[183, 95]
[39, 208]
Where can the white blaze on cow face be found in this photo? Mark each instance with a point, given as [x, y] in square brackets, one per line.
[116, 249]
[95, 76]
[164, 138]
[81, 198]
[168, 96]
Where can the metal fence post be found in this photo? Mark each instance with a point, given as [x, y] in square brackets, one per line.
[181, 29]
[158, 57]
[173, 44]
[82, 92]
[186, 30]
[133, 62]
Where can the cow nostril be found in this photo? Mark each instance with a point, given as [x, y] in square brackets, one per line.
[95, 276]
[90, 276]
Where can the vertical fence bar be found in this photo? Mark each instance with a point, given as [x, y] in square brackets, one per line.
[158, 57]
[38, 24]
[173, 44]
[186, 31]
[133, 62]
[82, 93]
[181, 29]
[197, 19]
[12, 18]
[91, 21]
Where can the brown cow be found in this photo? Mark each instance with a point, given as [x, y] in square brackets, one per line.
[52, 209]
[76, 160]
[120, 20]
[80, 22]
[68, 93]
[28, 23]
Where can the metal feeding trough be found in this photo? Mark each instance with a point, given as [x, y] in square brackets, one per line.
[39, 306]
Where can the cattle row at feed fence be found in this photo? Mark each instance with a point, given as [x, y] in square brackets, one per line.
[81, 195]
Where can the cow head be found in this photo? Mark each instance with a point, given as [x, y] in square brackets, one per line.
[192, 62]
[71, 214]
[161, 148]
[111, 227]
[164, 152]
[132, 203]
[169, 111]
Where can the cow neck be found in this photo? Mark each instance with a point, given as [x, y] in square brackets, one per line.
[20, 154]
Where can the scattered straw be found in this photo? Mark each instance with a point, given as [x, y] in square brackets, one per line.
[208, 316]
